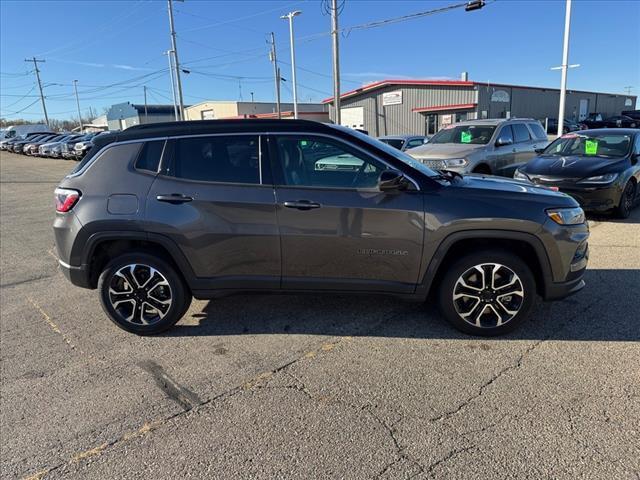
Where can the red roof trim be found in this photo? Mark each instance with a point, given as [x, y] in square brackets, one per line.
[459, 106]
[384, 83]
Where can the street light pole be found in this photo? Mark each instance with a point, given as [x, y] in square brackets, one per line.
[75, 88]
[174, 48]
[336, 61]
[290, 16]
[565, 65]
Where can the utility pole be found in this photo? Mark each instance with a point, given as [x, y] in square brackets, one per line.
[276, 72]
[174, 47]
[75, 88]
[35, 66]
[290, 16]
[565, 65]
[144, 87]
[336, 61]
[628, 89]
[173, 84]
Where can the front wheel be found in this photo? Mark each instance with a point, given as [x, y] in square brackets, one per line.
[487, 293]
[142, 294]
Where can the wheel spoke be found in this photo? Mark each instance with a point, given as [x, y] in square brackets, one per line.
[120, 297]
[498, 316]
[161, 307]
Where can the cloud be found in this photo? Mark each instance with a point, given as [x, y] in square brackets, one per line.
[120, 66]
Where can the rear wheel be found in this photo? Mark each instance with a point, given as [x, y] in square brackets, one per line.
[626, 200]
[143, 294]
[487, 293]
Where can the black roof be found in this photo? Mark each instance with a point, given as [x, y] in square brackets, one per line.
[199, 127]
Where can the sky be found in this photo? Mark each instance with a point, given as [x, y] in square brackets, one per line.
[113, 48]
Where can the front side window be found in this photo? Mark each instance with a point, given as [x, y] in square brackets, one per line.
[506, 134]
[472, 134]
[416, 142]
[228, 159]
[320, 162]
[521, 132]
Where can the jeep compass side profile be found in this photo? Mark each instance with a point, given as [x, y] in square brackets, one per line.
[160, 213]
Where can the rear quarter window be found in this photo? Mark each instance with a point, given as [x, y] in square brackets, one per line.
[149, 158]
[538, 131]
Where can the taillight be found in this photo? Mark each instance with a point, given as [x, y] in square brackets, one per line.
[65, 199]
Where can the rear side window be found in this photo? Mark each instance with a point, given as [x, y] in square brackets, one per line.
[149, 158]
[520, 132]
[232, 159]
[128, 150]
[538, 131]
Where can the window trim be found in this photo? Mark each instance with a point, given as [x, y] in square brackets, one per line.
[275, 162]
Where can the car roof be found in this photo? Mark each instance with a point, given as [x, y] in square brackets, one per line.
[495, 121]
[622, 131]
[203, 127]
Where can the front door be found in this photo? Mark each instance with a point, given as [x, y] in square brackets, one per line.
[214, 202]
[338, 231]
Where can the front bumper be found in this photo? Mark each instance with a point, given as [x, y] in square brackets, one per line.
[593, 198]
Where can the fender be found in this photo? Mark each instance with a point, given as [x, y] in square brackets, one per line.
[441, 251]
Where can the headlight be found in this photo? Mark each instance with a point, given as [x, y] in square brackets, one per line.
[518, 175]
[455, 162]
[600, 179]
[567, 216]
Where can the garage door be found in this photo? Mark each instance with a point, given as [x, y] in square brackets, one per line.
[352, 117]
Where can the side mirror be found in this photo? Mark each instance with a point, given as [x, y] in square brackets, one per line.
[392, 180]
[539, 150]
[502, 141]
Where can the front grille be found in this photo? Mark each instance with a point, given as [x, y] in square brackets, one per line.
[435, 164]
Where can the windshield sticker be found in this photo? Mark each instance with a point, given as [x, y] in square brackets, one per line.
[591, 147]
[465, 137]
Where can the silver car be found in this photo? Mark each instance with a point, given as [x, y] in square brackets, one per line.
[495, 147]
[404, 142]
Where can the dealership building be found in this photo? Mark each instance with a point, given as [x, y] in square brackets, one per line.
[422, 107]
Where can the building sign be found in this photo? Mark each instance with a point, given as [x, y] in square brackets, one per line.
[207, 115]
[500, 96]
[392, 98]
[446, 119]
[628, 102]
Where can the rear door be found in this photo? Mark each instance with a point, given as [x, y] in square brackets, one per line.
[524, 143]
[215, 200]
[338, 231]
[505, 155]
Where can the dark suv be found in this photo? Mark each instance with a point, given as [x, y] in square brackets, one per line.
[159, 213]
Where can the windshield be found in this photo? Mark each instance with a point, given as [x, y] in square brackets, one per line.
[403, 157]
[394, 142]
[608, 145]
[471, 134]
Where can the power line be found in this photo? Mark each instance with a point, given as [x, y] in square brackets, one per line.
[21, 98]
[20, 111]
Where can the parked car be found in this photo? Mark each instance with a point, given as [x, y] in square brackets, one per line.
[493, 147]
[82, 148]
[616, 121]
[569, 126]
[18, 145]
[404, 142]
[8, 143]
[47, 149]
[67, 148]
[32, 147]
[159, 213]
[599, 168]
[635, 114]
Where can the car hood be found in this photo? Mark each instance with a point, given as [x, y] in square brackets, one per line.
[503, 184]
[443, 150]
[571, 166]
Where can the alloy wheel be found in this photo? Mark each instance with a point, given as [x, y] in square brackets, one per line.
[488, 295]
[140, 294]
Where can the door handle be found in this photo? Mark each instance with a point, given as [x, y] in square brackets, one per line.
[174, 198]
[302, 205]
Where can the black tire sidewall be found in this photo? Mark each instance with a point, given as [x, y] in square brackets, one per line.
[622, 211]
[512, 261]
[180, 295]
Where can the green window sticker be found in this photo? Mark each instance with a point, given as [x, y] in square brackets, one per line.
[303, 143]
[465, 137]
[591, 147]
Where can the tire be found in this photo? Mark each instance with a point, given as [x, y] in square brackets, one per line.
[482, 169]
[627, 199]
[510, 275]
[128, 308]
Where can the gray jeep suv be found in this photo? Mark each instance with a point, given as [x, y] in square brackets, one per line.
[158, 214]
[494, 147]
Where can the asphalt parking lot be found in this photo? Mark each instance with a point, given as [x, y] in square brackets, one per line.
[306, 387]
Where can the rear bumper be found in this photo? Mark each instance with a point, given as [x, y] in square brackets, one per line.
[79, 276]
